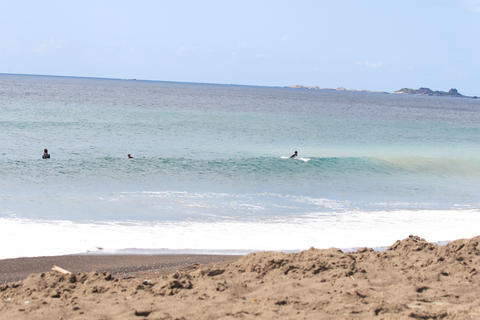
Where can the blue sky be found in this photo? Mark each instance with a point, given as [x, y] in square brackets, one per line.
[369, 44]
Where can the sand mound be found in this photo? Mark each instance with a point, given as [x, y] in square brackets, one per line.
[413, 279]
[410, 244]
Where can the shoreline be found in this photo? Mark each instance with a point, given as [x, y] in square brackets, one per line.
[41, 237]
[131, 260]
[136, 261]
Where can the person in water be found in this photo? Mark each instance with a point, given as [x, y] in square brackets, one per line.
[46, 155]
[294, 155]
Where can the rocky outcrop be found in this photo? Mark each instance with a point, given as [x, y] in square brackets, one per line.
[429, 92]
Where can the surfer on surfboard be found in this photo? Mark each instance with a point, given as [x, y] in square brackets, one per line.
[294, 155]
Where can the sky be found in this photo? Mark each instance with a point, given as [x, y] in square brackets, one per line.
[363, 44]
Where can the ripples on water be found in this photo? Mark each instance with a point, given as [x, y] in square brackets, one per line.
[366, 151]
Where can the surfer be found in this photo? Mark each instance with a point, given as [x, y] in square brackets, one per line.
[129, 156]
[294, 155]
[46, 155]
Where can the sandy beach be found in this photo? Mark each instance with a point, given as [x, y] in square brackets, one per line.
[412, 279]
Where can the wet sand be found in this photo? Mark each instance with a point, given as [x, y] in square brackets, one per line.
[19, 269]
[412, 279]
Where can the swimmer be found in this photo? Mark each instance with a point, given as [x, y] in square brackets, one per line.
[46, 155]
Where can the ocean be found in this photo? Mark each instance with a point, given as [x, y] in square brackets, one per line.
[210, 171]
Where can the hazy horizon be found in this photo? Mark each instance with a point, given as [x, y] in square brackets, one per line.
[291, 85]
[374, 45]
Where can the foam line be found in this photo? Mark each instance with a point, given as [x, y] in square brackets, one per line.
[24, 237]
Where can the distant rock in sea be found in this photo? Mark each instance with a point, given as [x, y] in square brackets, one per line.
[420, 91]
[429, 92]
[299, 86]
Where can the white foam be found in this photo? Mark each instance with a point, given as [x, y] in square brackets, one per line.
[24, 237]
[296, 158]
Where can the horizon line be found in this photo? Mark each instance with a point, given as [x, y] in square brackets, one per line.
[291, 86]
[136, 79]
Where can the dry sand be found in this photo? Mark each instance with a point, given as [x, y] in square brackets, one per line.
[413, 279]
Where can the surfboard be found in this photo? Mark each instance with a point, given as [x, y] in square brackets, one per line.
[297, 158]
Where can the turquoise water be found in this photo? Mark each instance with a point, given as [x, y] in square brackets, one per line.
[213, 153]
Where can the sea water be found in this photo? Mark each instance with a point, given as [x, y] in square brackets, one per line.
[211, 169]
